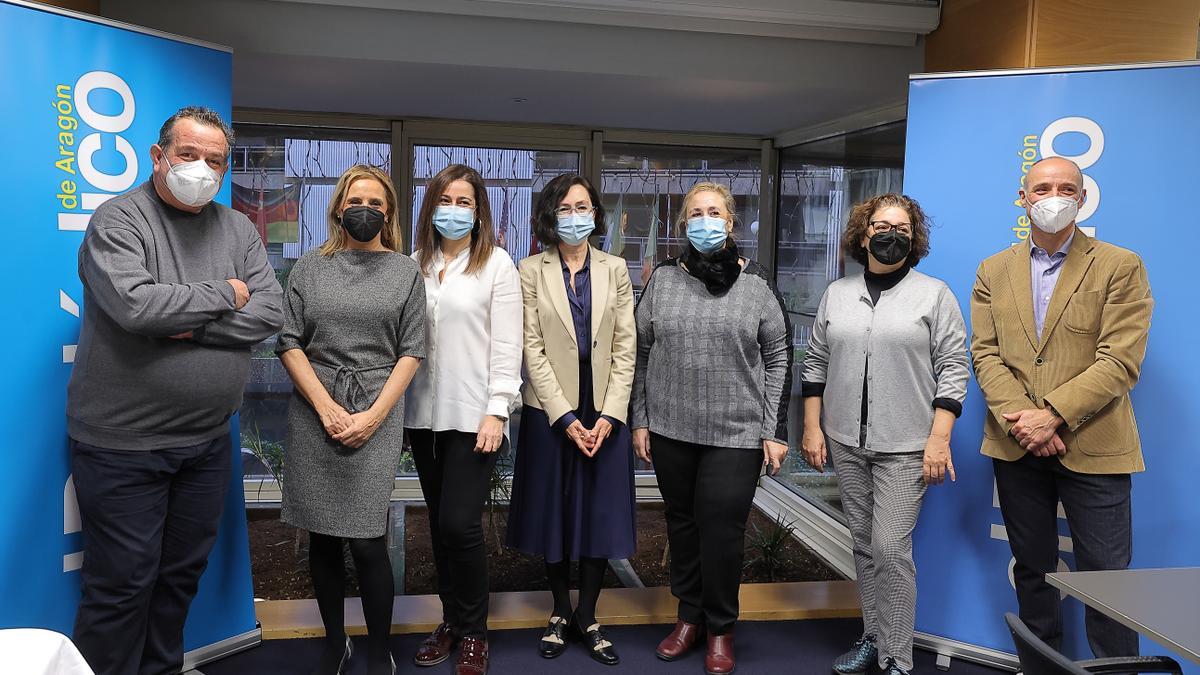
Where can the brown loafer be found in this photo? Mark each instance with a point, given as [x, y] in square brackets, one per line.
[679, 642]
[719, 660]
[436, 647]
[472, 657]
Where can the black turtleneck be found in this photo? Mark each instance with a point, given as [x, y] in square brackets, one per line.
[878, 283]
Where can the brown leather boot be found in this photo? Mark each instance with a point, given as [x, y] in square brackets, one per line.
[719, 660]
[436, 647]
[680, 641]
[472, 657]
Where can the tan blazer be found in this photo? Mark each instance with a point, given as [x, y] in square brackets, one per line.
[551, 352]
[1088, 358]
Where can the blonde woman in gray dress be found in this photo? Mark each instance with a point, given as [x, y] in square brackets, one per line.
[353, 336]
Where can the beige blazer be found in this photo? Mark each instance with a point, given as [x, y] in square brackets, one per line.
[551, 352]
[1086, 362]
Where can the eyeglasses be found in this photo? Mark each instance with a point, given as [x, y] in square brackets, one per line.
[879, 226]
[581, 209]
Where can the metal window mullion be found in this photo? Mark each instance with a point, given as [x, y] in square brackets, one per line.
[768, 206]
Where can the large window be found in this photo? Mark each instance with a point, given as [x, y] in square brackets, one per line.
[282, 178]
[819, 183]
[643, 187]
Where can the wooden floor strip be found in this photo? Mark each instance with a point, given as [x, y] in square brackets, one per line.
[282, 619]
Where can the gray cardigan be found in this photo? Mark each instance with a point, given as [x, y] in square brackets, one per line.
[915, 344]
[713, 370]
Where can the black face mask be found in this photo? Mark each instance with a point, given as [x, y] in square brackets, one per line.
[362, 222]
[890, 247]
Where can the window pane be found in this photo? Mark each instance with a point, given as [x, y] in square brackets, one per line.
[642, 187]
[819, 183]
[514, 179]
[283, 179]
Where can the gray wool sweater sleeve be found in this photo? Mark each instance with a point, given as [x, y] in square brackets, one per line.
[948, 348]
[642, 313]
[112, 265]
[261, 317]
[775, 343]
[292, 335]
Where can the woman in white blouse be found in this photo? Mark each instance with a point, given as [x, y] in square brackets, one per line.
[459, 401]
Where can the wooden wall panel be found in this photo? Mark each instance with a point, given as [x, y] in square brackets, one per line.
[990, 34]
[979, 34]
[1076, 32]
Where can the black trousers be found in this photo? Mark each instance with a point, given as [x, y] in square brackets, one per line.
[149, 521]
[708, 492]
[1098, 513]
[455, 480]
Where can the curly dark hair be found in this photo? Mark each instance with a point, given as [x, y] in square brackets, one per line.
[545, 221]
[859, 226]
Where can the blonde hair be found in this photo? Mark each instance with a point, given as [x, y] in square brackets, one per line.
[705, 186]
[392, 236]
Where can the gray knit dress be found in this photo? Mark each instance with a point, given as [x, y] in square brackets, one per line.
[354, 314]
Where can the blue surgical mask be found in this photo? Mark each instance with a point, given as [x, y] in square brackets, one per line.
[454, 222]
[575, 228]
[707, 233]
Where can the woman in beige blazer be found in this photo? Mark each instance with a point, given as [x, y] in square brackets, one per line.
[572, 492]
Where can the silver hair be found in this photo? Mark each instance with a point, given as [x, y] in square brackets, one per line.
[200, 114]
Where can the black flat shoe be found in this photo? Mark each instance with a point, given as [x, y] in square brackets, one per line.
[554, 640]
[598, 646]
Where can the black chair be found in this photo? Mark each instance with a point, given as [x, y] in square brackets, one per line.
[1039, 658]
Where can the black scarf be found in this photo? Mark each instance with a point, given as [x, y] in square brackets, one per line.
[717, 270]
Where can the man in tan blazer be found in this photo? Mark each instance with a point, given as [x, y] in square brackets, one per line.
[1059, 329]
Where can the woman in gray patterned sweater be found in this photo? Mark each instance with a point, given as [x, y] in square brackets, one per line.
[710, 399]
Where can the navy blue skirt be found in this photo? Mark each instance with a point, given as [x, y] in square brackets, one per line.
[565, 505]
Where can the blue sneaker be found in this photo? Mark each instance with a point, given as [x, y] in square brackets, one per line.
[859, 658]
[890, 668]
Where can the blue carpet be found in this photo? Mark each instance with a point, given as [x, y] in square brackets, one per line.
[793, 647]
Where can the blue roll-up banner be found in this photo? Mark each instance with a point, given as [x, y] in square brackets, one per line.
[1135, 133]
[83, 102]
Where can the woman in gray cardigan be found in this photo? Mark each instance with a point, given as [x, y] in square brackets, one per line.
[710, 399]
[887, 363]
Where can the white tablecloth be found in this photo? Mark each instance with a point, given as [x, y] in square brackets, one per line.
[33, 651]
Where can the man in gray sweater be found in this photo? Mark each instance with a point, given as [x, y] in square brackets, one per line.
[176, 291]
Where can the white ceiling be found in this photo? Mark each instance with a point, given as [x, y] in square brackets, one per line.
[755, 67]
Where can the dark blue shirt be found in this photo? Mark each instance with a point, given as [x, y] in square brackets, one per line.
[580, 300]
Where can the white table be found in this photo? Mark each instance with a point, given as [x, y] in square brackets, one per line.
[33, 651]
[1162, 604]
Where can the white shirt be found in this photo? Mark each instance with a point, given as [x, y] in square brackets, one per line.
[473, 332]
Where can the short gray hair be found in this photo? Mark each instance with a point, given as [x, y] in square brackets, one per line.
[201, 115]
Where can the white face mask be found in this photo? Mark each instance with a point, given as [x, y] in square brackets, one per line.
[193, 183]
[1053, 214]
